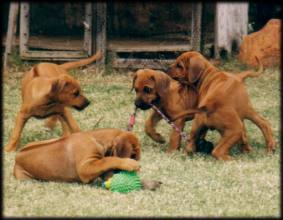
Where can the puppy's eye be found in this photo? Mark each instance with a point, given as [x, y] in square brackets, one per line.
[147, 90]
[178, 65]
[77, 93]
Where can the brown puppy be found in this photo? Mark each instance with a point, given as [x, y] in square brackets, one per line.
[225, 102]
[47, 90]
[156, 87]
[81, 156]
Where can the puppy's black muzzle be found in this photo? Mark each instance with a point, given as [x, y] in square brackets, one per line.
[143, 106]
[83, 106]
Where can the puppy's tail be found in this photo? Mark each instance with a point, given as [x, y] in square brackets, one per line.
[76, 64]
[187, 113]
[243, 75]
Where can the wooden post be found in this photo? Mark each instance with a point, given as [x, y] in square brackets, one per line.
[11, 32]
[231, 24]
[101, 16]
[88, 28]
[196, 25]
[24, 28]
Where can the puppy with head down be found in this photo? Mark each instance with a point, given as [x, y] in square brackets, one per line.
[47, 91]
[81, 157]
[156, 87]
[224, 102]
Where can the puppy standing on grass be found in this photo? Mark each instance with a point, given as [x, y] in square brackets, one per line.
[47, 89]
[156, 87]
[224, 101]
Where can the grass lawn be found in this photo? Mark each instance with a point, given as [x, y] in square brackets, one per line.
[196, 186]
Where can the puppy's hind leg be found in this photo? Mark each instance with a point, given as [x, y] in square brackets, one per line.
[20, 173]
[245, 147]
[265, 128]
[231, 134]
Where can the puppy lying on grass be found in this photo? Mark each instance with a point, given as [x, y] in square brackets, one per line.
[80, 157]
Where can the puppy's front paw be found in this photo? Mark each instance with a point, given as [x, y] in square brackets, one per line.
[271, 146]
[130, 165]
[157, 137]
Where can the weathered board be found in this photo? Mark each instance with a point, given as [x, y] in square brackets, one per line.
[12, 28]
[24, 28]
[88, 29]
[28, 50]
[146, 45]
[231, 24]
[54, 55]
[131, 63]
[196, 25]
[101, 12]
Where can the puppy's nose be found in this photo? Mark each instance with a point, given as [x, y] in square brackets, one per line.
[87, 102]
[138, 103]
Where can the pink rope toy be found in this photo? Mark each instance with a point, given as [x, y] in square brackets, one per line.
[132, 120]
[171, 123]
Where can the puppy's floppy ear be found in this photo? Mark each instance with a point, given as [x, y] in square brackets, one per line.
[58, 85]
[35, 71]
[134, 80]
[195, 69]
[162, 81]
[121, 147]
[136, 154]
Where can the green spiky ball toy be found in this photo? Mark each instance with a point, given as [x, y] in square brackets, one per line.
[123, 182]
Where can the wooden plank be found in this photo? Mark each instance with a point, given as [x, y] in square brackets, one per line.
[231, 24]
[196, 25]
[148, 46]
[53, 55]
[131, 63]
[101, 12]
[88, 28]
[12, 27]
[24, 27]
[66, 43]
[66, 52]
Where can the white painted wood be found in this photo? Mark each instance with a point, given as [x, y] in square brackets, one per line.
[231, 24]
[24, 27]
[88, 28]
